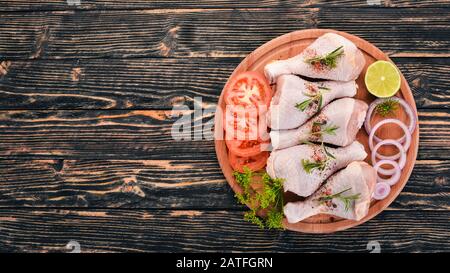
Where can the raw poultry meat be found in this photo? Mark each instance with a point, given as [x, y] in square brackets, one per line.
[330, 57]
[346, 194]
[297, 100]
[337, 124]
[305, 167]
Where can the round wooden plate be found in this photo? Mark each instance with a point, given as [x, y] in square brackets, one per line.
[289, 45]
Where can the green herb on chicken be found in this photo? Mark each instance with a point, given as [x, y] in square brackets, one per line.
[315, 97]
[347, 200]
[328, 60]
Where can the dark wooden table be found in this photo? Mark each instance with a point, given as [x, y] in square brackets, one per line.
[86, 94]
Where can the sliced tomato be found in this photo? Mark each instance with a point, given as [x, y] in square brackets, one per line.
[241, 123]
[263, 132]
[246, 148]
[249, 89]
[254, 163]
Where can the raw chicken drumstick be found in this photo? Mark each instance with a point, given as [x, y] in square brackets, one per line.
[305, 167]
[346, 194]
[337, 124]
[297, 100]
[330, 57]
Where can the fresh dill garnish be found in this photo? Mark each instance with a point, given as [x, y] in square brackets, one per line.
[314, 98]
[387, 107]
[274, 219]
[244, 179]
[253, 218]
[329, 60]
[270, 198]
[345, 199]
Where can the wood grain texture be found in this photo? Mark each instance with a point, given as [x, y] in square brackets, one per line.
[219, 231]
[206, 33]
[177, 183]
[160, 83]
[101, 134]
[114, 84]
[146, 134]
[24, 5]
[181, 183]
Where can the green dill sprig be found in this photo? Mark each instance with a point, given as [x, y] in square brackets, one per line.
[244, 179]
[269, 198]
[387, 107]
[345, 199]
[313, 99]
[252, 217]
[329, 59]
[275, 219]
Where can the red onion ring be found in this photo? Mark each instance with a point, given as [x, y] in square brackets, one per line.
[405, 130]
[381, 191]
[394, 178]
[404, 104]
[402, 153]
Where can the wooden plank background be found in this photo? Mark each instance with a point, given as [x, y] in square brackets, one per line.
[86, 94]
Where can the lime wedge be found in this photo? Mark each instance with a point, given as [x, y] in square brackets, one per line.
[382, 79]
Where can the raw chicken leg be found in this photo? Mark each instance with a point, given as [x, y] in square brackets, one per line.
[297, 100]
[346, 65]
[346, 194]
[337, 124]
[296, 165]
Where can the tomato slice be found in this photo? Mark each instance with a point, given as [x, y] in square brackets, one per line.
[245, 148]
[240, 123]
[254, 163]
[249, 89]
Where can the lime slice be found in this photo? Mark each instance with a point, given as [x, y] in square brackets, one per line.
[382, 79]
